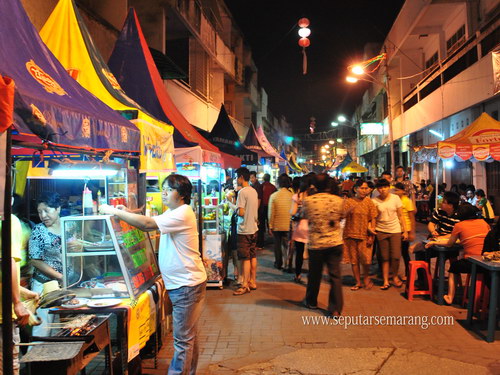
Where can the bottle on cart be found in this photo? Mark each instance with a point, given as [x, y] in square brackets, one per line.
[87, 203]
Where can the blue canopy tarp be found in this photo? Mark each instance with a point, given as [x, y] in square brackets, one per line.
[48, 102]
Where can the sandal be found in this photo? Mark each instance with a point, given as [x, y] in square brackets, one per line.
[447, 299]
[397, 285]
[369, 285]
[356, 287]
[241, 291]
[385, 287]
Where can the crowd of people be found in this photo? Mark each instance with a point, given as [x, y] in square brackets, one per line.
[354, 221]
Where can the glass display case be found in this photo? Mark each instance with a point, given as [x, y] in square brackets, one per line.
[104, 257]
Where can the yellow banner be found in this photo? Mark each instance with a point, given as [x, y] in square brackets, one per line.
[156, 144]
[141, 324]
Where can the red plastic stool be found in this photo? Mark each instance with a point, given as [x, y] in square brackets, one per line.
[410, 283]
[482, 296]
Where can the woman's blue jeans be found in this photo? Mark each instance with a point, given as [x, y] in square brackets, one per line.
[187, 304]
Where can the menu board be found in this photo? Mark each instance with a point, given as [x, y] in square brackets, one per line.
[137, 254]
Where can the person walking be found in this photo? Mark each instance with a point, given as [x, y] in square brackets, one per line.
[401, 177]
[180, 264]
[267, 190]
[246, 208]
[359, 230]
[279, 221]
[324, 212]
[390, 228]
[300, 231]
[408, 210]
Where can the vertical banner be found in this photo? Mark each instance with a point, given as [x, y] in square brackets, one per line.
[496, 72]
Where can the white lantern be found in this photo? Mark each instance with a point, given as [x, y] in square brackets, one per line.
[304, 32]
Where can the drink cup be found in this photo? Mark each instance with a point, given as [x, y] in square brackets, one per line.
[207, 201]
[215, 201]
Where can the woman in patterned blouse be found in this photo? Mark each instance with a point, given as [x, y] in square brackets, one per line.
[45, 250]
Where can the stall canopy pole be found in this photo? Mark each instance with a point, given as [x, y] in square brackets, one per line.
[437, 183]
[6, 263]
[200, 217]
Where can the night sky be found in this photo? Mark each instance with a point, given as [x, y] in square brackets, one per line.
[339, 31]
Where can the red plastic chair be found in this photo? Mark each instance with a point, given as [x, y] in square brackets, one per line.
[410, 283]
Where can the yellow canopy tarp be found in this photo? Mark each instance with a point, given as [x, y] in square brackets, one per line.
[69, 40]
[354, 167]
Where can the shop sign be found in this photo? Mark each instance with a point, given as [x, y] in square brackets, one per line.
[372, 128]
[446, 150]
[495, 151]
[464, 152]
[481, 152]
[485, 136]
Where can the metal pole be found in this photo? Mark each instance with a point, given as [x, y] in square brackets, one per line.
[7, 263]
[389, 113]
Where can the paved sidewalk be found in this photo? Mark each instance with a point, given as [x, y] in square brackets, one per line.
[265, 332]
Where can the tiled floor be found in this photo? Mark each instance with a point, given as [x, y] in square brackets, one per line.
[272, 318]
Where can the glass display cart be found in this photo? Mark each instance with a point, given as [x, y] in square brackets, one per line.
[104, 257]
[213, 240]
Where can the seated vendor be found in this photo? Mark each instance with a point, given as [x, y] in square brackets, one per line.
[442, 222]
[471, 231]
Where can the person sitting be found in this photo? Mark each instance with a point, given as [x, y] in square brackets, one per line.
[441, 225]
[471, 231]
[483, 204]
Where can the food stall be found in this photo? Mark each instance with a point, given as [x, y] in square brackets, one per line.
[196, 157]
[57, 123]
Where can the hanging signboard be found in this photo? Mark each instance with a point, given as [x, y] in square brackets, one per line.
[372, 128]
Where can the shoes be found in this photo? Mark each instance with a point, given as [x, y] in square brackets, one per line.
[297, 279]
[385, 287]
[242, 290]
[306, 305]
[277, 267]
[252, 286]
[356, 287]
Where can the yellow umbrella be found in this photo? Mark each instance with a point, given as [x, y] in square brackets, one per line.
[354, 167]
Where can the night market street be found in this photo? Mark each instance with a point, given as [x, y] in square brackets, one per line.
[263, 333]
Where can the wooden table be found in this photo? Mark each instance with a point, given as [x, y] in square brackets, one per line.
[493, 268]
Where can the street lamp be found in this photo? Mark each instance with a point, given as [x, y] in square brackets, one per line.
[361, 70]
[341, 118]
[333, 123]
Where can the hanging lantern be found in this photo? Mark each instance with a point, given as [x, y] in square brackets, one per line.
[304, 32]
[304, 42]
[303, 22]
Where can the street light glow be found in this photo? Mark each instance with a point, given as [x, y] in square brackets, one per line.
[323, 157]
[326, 146]
[323, 150]
[339, 140]
[358, 69]
[331, 141]
[341, 118]
[351, 79]
[333, 123]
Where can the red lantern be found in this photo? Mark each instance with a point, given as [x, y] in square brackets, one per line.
[303, 22]
[304, 42]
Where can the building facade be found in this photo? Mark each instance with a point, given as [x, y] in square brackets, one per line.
[438, 77]
[198, 50]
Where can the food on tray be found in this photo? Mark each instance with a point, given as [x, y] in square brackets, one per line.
[79, 321]
[74, 301]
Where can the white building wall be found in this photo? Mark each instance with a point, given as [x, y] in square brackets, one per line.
[195, 110]
[452, 97]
